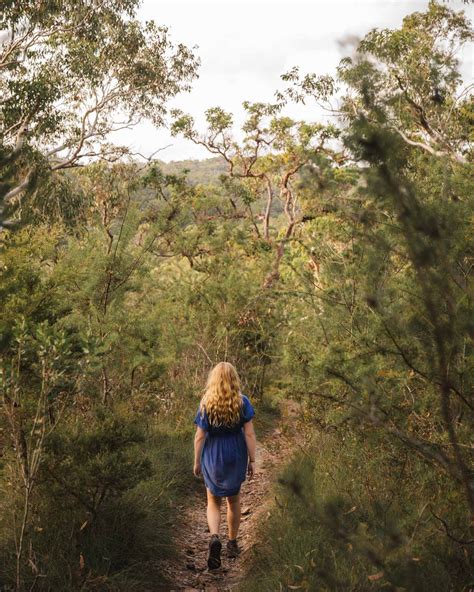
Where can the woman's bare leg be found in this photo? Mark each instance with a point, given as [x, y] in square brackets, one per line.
[233, 515]
[213, 512]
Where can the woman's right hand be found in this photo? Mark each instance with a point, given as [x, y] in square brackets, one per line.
[251, 469]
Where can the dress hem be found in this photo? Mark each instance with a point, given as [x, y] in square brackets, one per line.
[226, 494]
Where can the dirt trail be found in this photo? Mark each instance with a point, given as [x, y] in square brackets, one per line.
[188, 572]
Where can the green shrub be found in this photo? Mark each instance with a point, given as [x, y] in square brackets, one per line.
[104, 508]
[354, 514]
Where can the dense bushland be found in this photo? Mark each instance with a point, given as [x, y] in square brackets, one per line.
[356, 513]
[330, 263]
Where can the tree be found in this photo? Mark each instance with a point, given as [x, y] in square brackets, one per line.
[395, 294]
[68, 81]
[274, 150]
[408, 79]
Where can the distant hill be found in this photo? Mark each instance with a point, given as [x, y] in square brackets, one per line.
[199, 171]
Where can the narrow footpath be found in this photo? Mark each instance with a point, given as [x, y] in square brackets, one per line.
[188, 571]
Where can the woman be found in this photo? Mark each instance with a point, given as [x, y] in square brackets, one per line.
[224, 441]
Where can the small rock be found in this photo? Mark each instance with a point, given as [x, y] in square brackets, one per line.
[246, 511]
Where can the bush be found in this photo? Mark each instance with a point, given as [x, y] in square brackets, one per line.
[353, 514]
[104, 507]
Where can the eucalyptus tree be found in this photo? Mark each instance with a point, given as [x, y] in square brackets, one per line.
[407, 79]
[267, 162]
[72, 74]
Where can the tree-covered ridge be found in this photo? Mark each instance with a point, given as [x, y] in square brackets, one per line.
[198, 172]
[330, 263]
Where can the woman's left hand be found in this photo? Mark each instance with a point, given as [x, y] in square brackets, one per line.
[197, 469]
[251, 469]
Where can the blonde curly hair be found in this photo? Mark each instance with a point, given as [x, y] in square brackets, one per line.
[221, 400]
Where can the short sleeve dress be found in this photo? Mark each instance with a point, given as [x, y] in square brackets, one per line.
[224, 454]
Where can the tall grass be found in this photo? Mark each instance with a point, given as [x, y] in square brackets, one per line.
[357, 514]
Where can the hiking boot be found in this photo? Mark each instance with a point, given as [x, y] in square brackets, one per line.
[233, 548]
[214, 558]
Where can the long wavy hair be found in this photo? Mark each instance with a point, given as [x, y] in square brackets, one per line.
[221, 400]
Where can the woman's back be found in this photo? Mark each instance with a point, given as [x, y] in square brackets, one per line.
[224, 454]
[224, 451]
[246, 413]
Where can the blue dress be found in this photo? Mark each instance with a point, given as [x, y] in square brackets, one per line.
[224, 454]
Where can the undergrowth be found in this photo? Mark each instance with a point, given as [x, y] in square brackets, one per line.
[119, 548]
[355, 514]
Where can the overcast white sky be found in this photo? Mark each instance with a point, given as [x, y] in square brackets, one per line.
[245, 46]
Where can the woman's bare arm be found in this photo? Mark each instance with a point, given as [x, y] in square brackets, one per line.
[251, 440]
[199, 439]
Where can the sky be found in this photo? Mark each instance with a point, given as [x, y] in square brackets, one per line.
[246, 45]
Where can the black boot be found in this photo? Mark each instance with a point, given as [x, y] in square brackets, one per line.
[214, 558]
[233, 548]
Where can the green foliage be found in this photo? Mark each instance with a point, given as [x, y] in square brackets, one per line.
[84, 542]
[95, 464]
[330, 264]
[68, 82]
[198, 172]
[379, 277]
[353, 513]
